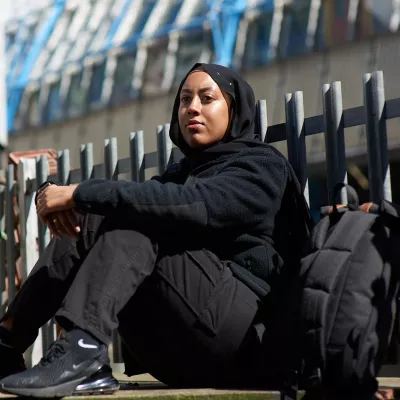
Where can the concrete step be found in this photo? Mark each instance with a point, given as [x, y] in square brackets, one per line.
[147, 387]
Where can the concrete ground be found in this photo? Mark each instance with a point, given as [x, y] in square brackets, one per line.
[146, 387]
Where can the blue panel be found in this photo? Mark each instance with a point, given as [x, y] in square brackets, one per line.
[173, 12]
[19, 45]
[16, 88]
[117, 22]
[224, 28]
[147, 9]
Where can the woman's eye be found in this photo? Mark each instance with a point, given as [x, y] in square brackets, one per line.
[207, 98]
[185, 99]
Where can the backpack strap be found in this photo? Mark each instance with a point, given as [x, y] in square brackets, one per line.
[353, 201]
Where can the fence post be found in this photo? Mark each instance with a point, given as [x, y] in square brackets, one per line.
[295, 137]
[29, 233]
[378, 159]
[110, 167]
[27, 216]
[261, 118]
[334, 140]
[137, 156]
[164, 145]
[111, 158]
[42, 173]
[63, 166]
[86, 161]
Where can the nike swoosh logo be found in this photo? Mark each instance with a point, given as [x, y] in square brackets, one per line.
[2, 343]
[75, 366]
[86, 346]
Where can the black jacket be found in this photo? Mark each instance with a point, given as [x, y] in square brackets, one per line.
[233, 205]
[234, 197]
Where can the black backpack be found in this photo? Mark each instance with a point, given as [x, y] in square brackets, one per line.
[348, 287]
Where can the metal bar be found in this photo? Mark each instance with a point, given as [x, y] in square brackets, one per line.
[27, 217]
[296, 143]
[151, 160]
[262, 118]
[276, 133]
[28, 243]
[334, 140]
[379, 101]
[10, 221]
[42, 172]
[99, 171]
[164, 145]
[110, 167]
[86, 161]
[378, 167]
[111, 158]
[314, 125]
[63, 166]
[136, 142]
[393, 108]
[353, 117]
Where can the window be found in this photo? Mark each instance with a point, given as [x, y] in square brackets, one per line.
[53, 106]
[191, 49]
[373, 17]
[154, 72]
[96, 83]
[294, 30]
[123, 76]
[257, 42]
[381, 12]
[333, 24]
[33, 113]
[75, 102]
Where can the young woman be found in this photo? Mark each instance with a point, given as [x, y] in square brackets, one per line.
[180, 264]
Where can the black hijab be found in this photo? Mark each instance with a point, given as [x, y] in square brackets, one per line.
[241, 133]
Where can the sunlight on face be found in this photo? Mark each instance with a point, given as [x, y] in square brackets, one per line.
[203, 111]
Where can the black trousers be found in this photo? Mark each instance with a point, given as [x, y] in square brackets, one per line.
[181, 313]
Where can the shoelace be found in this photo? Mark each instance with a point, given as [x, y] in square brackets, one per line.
[56, 350]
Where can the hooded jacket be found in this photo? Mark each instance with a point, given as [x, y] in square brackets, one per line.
[233, 198]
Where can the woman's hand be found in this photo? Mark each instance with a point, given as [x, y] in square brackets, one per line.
[63, 223]
[54, 198]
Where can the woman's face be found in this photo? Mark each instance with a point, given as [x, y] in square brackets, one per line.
[203, 111]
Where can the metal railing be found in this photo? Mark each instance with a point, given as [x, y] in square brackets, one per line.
[31, 173]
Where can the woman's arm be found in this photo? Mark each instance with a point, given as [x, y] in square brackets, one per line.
[240, 195]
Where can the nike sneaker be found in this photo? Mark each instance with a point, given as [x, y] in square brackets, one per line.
[76, 363]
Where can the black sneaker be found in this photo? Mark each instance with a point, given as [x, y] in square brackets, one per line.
[12, 361]
[62, 371]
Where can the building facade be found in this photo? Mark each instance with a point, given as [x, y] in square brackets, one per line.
[83, 71]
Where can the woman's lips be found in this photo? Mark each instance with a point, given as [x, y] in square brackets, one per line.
[194, 126]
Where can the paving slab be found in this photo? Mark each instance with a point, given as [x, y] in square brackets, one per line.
[147, 387]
